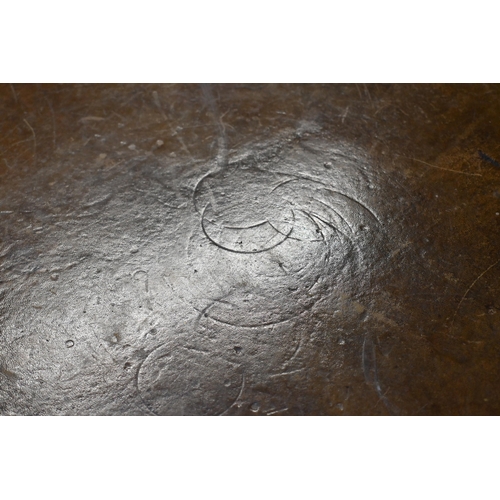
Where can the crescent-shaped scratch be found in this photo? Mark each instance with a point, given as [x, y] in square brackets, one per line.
[238, 251]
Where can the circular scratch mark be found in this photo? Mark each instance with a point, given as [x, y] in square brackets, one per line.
[258, 247]
[182, 380]
[273, 243]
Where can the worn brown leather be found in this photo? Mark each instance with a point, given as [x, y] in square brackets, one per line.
[249, 249]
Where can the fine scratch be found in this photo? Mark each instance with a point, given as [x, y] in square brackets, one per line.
[156, 99]
[286, 374]
[295, 353]
[274, 412]
[34, 140]
[157, 102]
[369, 363]
[344, 115]
[237, 397]
[13, 92]
[467, 292]
[86, 119]
[445, 169]
[359, 91]
[53, 121]
[209, 99]
[368, 94]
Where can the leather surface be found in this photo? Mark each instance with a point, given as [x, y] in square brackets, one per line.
[249, 249]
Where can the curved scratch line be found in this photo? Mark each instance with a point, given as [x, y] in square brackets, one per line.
[203, 311]
[289, 237]
[294, 355]
[237, 397]
[297, 177]
[316, 281]
[281, 184]
[325, 186]
[238, 251]
[146, 405]
[260, 325]
[329, 224]
[309, 216]
[137, 374]
[195, 190]
[468, 290]
[335, 211]
[212, 302]
[272, 237]
[364, 207]
[243, 227]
